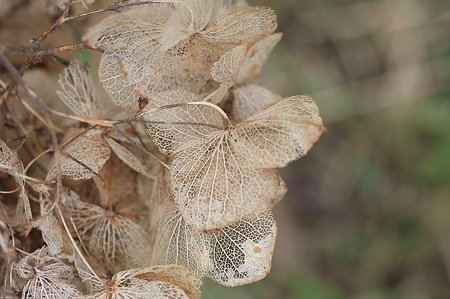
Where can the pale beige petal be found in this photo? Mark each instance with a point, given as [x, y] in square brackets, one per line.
[129, 159]
[256, 57]
[215, 186]
[172, 127]
[47, 277]
[249, 99]
[180, 244]
[280, 133]
[115, 239]
[9, 160]
[78, 92]
[243, 25]
[242, 252]
[89, 152]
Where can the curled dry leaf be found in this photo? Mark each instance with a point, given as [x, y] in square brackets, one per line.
[117, 240]
[78, 92]
[221, 172]
[87, 153]
[46, 276]
[9, 161]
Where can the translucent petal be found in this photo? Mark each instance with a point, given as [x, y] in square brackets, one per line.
[9, 160]
[243, 25]
[280, 133]
[143, 283]
[249, 99]
[242, 252]
[257, 56]
[180, 244]
[88, 148]
[215, 186]
[129, 159]
[78, 92]
[118, 241]
[47, 277]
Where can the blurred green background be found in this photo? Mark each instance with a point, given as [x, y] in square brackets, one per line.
[367, 214]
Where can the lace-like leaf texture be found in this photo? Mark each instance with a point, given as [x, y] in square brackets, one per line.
[116, 239]
[241, 64]
[9, 161]
[78, 92]
[148, 48]
[221, 172]
[141, 283]
[47, 277]
[234, 255]
[86, 153]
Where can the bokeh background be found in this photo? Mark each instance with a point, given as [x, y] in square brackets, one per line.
[367, 214]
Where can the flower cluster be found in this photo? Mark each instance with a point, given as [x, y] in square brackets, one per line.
[179, 185]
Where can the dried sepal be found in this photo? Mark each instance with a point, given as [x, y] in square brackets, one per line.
[86, 153]
[243, 25]
[179, 243]
[10, 161]
[239, 65]
[141, 283]
[249, 99]
[188, 18]
[117, 240]
[257, 56]
[237, 254]
[52, 235]
[47, 277]
[242, 252]
[129, 158]
[213, 179]
[78, 92]
[280, 133]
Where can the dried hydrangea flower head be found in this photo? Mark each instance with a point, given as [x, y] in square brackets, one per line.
[180, 184]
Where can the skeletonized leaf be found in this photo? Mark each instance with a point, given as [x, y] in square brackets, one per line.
[137, 60]
[280, 133]
[87, 152]
[242, 252]
[129, 159]
[141, 283]
[243, 25]
[213, 184]
[249, 99]
[227, 68]
[117, 240]
[173, 127]
[9, 160]
[257, 56]
[179, 243]
[52, 235]
[188, 18]
[240, 64]
[47, 277]
[237, 254]
[78, 92]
